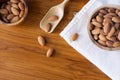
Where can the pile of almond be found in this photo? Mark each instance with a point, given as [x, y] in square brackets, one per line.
[105, 27]
[12, 11]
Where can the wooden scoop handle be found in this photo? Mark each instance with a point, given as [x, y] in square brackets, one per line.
[62, 5]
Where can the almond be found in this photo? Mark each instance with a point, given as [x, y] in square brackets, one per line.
[4, 11]
[10, 16]
[74, 36]
[8, 7]
[106, 28]
[14, 19]
[14, 1]
[15, 6]
[50, 52]
[53, 18]
[97, 24]
[48, 27]
[102, 37]
[103, 11]
[116, 19]
[111, 38]
[112, 31]
[21, 14]
[21, 6]
[109, 43]
[102, 42]
[96, 31]
[116, 44]
[99, 18]
[41, 40]
[15, 11]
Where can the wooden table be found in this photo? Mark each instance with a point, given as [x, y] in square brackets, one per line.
[22, 58]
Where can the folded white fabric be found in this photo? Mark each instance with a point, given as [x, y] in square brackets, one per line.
[107, 61]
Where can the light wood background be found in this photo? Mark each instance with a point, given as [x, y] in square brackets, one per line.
[22, 58]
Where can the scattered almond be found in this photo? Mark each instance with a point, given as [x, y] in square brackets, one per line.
[50, 52]
[41, 40]
[74, 36]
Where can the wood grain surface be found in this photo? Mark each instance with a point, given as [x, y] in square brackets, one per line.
[22, 58]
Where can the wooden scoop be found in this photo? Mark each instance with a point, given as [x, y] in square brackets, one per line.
[56, 11]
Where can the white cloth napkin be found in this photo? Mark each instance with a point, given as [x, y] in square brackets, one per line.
[107, 61]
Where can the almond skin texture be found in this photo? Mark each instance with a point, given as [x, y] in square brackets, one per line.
[107, 28]
[50, 52]
[41, 40]
[74, 37]
[53, 18]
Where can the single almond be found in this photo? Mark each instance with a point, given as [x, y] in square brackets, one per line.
[53, 18]
[50, 52]
[4, 11]
[116, 44]
[14, 19]
[116, 19]
[96, 31]
[21, 6]
[112, 31]
[97, 24]
[102, 37]
[111, 38]
[14, 1]
[109, 43]
[21, 14]
[74, 36]
[10, 16]
[103, 11]
[15, 6]
[41, 40]
[107, 28]
[99, 18]
[47, 27]
[8, 7]
[102, 42]
[15, 11]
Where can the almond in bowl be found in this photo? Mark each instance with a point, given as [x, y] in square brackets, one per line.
[104, 28]
[12, 12]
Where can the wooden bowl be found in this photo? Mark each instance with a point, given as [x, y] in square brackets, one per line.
[20, 20]
[89, 32]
